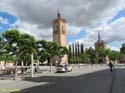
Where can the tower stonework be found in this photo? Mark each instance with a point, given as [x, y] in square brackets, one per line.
[100, 43]
[59, 35]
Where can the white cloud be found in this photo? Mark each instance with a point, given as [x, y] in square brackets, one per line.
[6, 5]
[41, 12]
[35, 17]
[113, 48]
[3, 20]
[33, 30]
[111, 33]
[72, 30]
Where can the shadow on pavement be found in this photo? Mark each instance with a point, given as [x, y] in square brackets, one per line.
[96, 82]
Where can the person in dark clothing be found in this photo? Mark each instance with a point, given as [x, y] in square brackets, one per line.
[111, 66]
[92, 61]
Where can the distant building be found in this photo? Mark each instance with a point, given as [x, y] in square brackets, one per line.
[100, 43]
[59, 35]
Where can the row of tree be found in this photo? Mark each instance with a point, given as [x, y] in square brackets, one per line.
[89, 55]
[17, 47]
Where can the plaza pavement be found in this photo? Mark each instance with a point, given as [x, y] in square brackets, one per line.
[8, 84]
[20, 84]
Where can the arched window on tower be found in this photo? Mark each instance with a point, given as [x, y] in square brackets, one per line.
[56, 28]
[63, 30]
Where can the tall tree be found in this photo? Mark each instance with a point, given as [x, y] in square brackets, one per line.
[102, 53]
[122, 49]
[122, 53]
[73, 52]
[49, 49]
[61, 51]
[12, 36]
[85, 57]
[27, 44]
[78, 52]
[91, 52]
[20, 45]
[70, 54]
[114, 55]
[78, 49]
[82, 48]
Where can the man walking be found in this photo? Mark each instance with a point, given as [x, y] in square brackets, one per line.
[111, 66]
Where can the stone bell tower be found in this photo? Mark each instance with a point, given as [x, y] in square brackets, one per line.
[59, 35]
[100, 43]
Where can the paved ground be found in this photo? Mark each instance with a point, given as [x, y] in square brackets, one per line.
[119, 81]
[86, 79]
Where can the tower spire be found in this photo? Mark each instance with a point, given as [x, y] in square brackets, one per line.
[99, 37]
[58, 15]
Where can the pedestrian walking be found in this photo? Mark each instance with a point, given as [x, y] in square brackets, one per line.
[92, 61]
[111, 66]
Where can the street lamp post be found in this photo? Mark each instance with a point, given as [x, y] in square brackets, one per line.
[32, 67]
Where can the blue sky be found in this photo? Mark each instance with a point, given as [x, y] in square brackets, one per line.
[70, 38]
[84, 21]
[81, 34]
[120, 14]
[11, 20]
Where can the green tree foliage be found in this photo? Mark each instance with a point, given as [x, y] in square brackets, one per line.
[122, 49]
[27, 46]
[85, 57]
[21, 45]
[12, 36]
[47, 48]
[43, 50]
[61, 51]
[101, 53]
[77, 50]
[114, 55]
[82, 48]
[122, 53]
[70, 54]
[50, 49]
[9, 37]
[73, 53]
[91, 52]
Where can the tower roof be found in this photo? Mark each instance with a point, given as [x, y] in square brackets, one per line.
[59, 18]
[99, 37]
[58, 14]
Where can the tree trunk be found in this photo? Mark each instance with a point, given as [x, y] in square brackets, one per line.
[16, 71]
[22, 65]
[49, 60]
[50, 65]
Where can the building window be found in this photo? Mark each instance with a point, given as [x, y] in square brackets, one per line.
[56, 28]
[63, 29]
